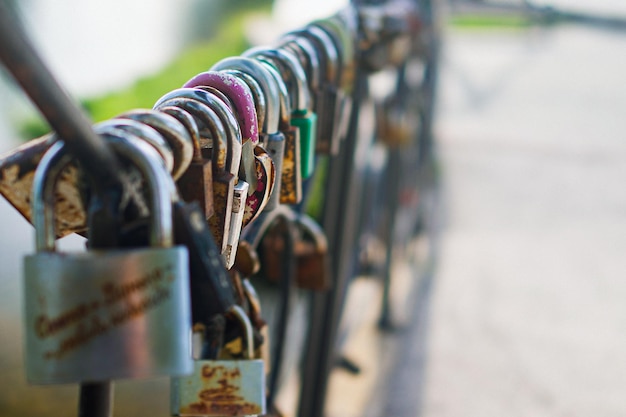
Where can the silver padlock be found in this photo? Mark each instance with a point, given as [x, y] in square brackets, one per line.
[223, 387]
[240, 194]
[106, 314]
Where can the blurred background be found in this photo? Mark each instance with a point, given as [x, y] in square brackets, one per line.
[526, 316]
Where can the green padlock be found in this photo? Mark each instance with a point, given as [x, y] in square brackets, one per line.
[304, 69]
[302, 115]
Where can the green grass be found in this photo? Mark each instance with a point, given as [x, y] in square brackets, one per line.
[228, 40]
[481, 22]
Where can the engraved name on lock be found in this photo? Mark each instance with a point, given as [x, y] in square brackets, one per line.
[106, 314]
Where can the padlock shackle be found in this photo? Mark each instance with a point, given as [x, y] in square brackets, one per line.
[244, 320]
[238, 93]
[259, 100]
[247, 165]
[314, 230]
[337, 28]
[325, 46]
[172, 130]
[228, 121]
[145, 132]
[160, 185]
[207, 116]
[290, 68]
[189, 122]
[264, 79]
[255, 232]
[283, 93]
[304, 48]
[234, 140]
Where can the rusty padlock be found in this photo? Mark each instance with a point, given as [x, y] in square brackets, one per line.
[313, 262]
[223, 387]
[310, 250]
[196, 183]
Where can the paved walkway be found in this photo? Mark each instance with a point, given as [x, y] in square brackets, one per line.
[528, 315]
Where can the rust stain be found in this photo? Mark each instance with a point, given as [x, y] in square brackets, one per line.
[223, 185]
[17, 171]
[288, 179]
[222, 409]
[221, 395]
[196, 184]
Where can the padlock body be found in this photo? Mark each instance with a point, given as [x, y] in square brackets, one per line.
[106, 315]
[220, 388]
[307, 123]
[223, 192]
[276, 149]
[312, 270]
[397, 124]
[240, 196]
[326, 110]
[266, 177]
[196, 184]
[291, 173]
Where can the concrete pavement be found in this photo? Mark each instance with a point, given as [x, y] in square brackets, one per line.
[528, 313]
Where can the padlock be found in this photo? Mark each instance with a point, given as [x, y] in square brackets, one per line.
[269, 91]
[267, 87]
[215, 141]
[208, 126]
[240, 190]
[228, 121]
[399, 117]
[290, 168]
[303, 148]
[234, 149]
[326, 97]
[275, 146]
[240, 196]
[390, 35]
[313, 262]
[310, 250]
[397, 123]
[172, 130]
[343, 28]
[303, 115]
[264, 233]
[272, 248]
[106, 314]
[305, 50]
[257, 200]
[247, 260]
[240, 96]
[196, 183]
[223, 387]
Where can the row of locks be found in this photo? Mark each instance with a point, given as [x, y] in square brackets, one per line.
[217, 174]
